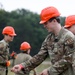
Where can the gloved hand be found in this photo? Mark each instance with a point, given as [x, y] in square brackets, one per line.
[7, 63]
[13, 55]
[17, 68]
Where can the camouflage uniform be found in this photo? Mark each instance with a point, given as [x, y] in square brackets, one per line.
[73, 62]
[4, 52]
[60, 49]
[22, 57]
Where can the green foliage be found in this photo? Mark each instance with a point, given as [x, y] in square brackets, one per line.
[63, 21]
[3, 21]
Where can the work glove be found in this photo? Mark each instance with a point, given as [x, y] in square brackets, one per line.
[7, 63]
[13, 55]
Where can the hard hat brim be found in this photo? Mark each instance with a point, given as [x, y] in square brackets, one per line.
[66, 26]
[12, 34]
[42, 22]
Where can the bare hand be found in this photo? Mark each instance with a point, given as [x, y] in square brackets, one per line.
[44, 72]
[16, 69]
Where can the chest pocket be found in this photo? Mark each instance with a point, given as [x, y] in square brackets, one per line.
[56, 51]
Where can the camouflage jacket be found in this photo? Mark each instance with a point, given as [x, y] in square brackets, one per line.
[4, 52]
[60, 49]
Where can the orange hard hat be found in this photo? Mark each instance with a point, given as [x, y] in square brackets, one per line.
[48, 13]
[9, 30]
[25, 46]
[69, 21]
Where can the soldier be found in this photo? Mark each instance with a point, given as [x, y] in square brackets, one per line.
[24, 56]
[59, 45]
[9, 34]
[70, 25]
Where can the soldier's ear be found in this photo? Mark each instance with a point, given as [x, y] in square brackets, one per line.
[54, 20]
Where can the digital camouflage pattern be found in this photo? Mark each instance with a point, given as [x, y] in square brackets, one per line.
[60, 49]
[4, 53]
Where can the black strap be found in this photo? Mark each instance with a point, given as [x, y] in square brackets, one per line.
[6, 71]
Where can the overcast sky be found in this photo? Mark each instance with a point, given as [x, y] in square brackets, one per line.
[66, 7]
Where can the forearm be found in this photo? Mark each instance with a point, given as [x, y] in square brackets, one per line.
[35, 61]
[73, 64]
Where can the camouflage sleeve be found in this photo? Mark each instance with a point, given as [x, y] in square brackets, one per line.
[73, 64]
[37, 59]
[1, 48]
[64, 63]
[2, 61]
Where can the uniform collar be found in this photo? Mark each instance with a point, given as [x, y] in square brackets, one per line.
[6, 42]
[59, 35]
